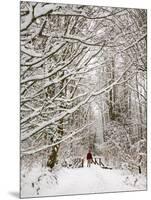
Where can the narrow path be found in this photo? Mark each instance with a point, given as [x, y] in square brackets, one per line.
[80, 181]
[89, 180]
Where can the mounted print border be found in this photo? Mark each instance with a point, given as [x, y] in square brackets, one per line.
[83, 104]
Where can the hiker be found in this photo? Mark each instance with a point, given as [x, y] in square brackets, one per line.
[89, 159]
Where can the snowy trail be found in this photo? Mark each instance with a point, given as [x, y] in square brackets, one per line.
[90, 180]
[87, 180]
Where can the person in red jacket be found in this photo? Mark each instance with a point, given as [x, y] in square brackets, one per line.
[89, 159]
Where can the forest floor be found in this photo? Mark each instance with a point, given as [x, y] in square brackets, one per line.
[80, 181]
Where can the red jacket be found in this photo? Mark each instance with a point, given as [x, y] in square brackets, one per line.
[89, 156]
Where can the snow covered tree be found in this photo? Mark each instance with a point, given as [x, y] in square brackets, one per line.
[83, 72]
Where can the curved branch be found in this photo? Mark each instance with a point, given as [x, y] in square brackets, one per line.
[102, 44]
[41, 77]
[73, 109]
[32, 151]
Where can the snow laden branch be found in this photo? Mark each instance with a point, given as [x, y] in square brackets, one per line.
[28, 19]
[98, 44]
[31, 116]
[43, 125]
[73, 133]
[71, 74]
[141, 94]
[135, 43]
[31, 52]
[35, 11]
[47, 55]
[83, 15]
[41, 77]
[40, 10]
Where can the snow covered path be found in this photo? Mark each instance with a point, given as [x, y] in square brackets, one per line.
[87, 180]
[90, 180]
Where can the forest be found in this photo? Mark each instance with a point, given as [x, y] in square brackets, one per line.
[83, 85]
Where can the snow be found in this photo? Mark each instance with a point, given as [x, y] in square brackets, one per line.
[81, 181]
[40, 9]
[31, 52]
[27, 19]
[73, 109]
[136, 42]
[55, 49]
[78, 39]
[73, 133]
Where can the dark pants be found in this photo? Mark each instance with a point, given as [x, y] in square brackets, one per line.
[89, 161]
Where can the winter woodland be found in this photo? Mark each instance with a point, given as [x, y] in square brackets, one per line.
[83, 85]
